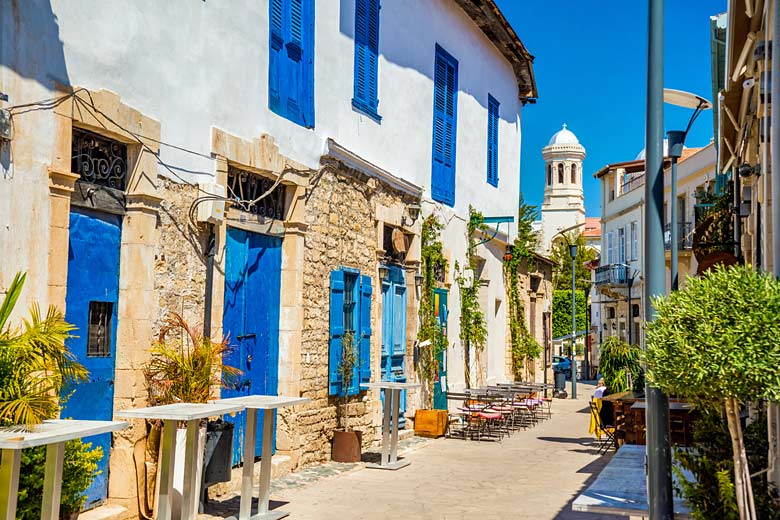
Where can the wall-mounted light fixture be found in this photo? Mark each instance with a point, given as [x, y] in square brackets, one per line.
[384, 272]
[418, 279]
[414, 213]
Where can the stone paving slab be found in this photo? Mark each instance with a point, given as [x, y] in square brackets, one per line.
[534, 474]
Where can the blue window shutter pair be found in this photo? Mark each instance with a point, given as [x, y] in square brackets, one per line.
[445, 107]
[291, 60]
[366, 56]
[362, 370]
[492, 141]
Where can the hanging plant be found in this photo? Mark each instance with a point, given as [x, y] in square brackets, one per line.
[473, 326]
[433, 263]
[525, 348]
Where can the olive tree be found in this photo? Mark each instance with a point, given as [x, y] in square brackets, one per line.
[718, 340]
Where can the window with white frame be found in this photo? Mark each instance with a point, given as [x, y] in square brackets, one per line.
[634, 241]
[610, 248]
[621, 255]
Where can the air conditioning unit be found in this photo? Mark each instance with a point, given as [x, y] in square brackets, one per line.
[211, 209]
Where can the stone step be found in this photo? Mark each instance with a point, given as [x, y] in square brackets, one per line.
[281, 465]
[105, 512]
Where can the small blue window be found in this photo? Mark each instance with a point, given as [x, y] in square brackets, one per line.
[366, 57]
[445, 117]
[291, 60]
[492, 141]
[350, 311]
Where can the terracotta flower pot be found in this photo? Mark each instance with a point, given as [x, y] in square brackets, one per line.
[346, 446]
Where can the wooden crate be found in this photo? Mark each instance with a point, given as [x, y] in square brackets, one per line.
[430, 423]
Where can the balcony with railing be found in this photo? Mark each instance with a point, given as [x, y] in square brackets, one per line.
[612, 274]
[684, 236]
[631, 182]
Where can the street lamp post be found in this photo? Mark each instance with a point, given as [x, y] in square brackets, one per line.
[573, 253]
[676, 145]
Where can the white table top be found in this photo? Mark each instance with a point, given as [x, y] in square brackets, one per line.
[263, 402]
[54, 431]
[180, 411]
[390, 384]
[621, 487]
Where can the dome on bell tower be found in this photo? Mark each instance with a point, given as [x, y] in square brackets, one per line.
[563, 136]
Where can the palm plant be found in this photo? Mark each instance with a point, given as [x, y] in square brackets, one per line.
[35, 364]
[619, 363]
[188, 368]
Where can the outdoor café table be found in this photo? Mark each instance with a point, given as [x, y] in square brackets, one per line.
[621, 487]
[53, 434]
[253, 403]
[171, 414]
[389, 458]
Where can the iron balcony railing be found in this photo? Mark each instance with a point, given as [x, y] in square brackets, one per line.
[684, 236]
[612, 274]
[632, 182]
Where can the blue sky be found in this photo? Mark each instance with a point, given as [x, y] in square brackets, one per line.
[590, 67]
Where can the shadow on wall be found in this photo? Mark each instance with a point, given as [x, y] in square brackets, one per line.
[30, 44]
[407, 46]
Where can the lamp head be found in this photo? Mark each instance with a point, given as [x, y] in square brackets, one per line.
[676, 139]
[573, 251]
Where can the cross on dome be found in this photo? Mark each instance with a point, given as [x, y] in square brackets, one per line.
[563, 136]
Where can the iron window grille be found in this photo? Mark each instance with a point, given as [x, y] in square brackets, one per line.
[99, 334]
[98, 159]
[245, 186]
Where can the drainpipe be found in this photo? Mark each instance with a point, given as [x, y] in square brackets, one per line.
[773, 474]
[207, 297]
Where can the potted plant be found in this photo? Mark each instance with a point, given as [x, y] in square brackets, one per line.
[346, 442]
[715, 341]
[186, 367]
[431, 341]
[35, 367]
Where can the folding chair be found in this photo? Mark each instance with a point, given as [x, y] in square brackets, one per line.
[602, 429]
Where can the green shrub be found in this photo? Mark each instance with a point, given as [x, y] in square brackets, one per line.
[80, 467]
[619, 362]
[561, 312]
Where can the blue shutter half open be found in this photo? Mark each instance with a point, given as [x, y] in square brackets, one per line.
[492, 141]
[291, 60]
[366, 56]
[336, 331]
[365, 330]
[445, 107]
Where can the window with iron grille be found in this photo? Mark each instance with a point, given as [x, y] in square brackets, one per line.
[99, 334]
[98, 159]
[248, 187]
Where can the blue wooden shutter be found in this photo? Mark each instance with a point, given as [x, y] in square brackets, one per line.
[492, 141]
[366, 56]
[336, 331]
[291, 60]
[445, 106]
[365, 329]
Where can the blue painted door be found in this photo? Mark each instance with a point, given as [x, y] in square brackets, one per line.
[253, 265]
[394, 333]
[91, 305]
[440, 379]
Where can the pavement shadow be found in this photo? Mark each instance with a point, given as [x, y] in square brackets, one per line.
[226, 508]
[590, 446]
[593, 468]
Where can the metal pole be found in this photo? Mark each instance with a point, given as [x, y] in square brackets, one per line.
[628, 313]
[675, 231]
[573, 327]
[773, 476]
[659, 479]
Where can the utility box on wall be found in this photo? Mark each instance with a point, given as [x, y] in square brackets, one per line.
[212, 208]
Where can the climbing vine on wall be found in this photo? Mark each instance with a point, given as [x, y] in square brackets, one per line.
[473, 326]
[525, 348]
[433, 262]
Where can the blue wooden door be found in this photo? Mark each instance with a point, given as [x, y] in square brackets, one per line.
[394, 333]
[91, 305]
[251, 320]
[440, 377]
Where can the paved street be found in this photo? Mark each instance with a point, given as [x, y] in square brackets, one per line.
[534, 474]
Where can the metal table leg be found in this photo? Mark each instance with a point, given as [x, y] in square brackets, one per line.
[265, 471]
[247, 472]
[10, 461]
[390, 433]
[394, 435]
[166, 470]
[52, 481]
[189, 494]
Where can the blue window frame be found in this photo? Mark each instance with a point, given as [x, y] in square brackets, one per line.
[291, 60]
[350, 310]
[492, 141]
[366, 57]
[445, 115]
